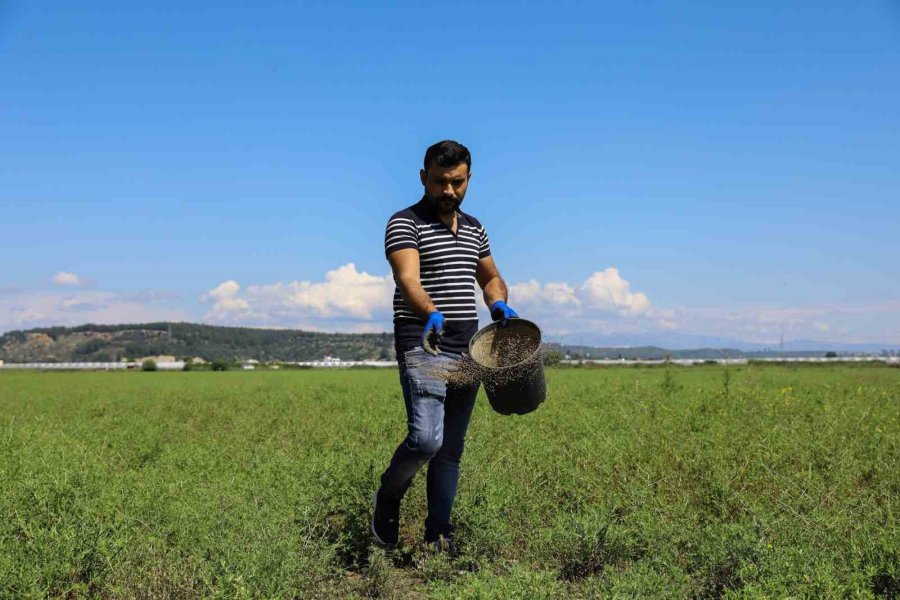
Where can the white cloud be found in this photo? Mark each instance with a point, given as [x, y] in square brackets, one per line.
[850, 323]
[226, 289]
[40, 309]
[351, 300]
[605, 293]
[63, 278]
[605, 305]
[226, 304]
[346, 299]
[606, 290]
[547, 297]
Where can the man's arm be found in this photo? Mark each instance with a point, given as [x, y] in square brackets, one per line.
[405, 265]
[490, 281]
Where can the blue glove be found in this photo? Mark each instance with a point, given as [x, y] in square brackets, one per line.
[434, 328]
[500, 311]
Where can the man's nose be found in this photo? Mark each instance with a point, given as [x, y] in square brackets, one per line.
[448, 189]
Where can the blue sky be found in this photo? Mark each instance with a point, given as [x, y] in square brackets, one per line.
[642, 168]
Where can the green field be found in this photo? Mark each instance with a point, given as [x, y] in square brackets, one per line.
[758, 481]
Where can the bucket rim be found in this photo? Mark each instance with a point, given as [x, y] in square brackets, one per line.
[496, 325]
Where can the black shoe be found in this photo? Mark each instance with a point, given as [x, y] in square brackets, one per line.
[385, 520]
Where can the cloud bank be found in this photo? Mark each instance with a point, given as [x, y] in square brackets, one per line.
[28, 309]
[604, 303]
[22, 308]
[347, 300]
[604, 292]
[351, 300]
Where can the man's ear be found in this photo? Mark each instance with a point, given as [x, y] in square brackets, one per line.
[422, 175]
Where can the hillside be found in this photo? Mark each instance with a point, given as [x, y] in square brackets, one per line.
[102, 343]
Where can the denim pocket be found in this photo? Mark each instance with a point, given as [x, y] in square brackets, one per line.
[427, 373]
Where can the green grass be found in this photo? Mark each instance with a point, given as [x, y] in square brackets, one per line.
[771, 482]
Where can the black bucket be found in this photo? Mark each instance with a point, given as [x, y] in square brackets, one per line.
[512, 370]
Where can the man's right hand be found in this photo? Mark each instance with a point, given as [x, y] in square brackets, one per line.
[434, 326]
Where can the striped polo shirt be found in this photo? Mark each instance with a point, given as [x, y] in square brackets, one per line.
[447, 265]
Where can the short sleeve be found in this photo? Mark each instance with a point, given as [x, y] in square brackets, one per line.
[400, 233]
[484, 248]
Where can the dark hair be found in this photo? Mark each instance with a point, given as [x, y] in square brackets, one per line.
[448, 154]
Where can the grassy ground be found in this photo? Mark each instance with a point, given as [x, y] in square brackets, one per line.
[759, 481]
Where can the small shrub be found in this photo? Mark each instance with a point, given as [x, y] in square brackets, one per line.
[669, 385]
[552, 358]
[149, 365]
[377, 575]
[219, 365]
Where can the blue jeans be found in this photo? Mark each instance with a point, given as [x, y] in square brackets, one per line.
[437, 417]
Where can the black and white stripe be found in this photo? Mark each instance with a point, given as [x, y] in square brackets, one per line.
[447, 264]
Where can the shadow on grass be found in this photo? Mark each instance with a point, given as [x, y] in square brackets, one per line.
[885, 585]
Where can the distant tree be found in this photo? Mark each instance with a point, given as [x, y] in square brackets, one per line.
[830, 354]
[552, 358]
[188, 364]
[88, 347]
[148, 365]
[219, 365]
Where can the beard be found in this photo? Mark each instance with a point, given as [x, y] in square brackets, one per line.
[442, 205]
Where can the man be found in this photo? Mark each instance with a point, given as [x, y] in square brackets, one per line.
[437, 254]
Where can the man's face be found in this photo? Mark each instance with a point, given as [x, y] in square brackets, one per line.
[445, 187]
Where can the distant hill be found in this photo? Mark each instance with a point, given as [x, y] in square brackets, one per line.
[647, 352]
[675, 341]
[104, 343]
[658, 353]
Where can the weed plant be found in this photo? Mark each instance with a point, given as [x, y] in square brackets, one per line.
[756, 482]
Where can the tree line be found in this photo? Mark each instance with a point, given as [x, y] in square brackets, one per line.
[111, 343]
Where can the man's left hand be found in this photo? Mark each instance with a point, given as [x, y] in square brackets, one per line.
[501, 311]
